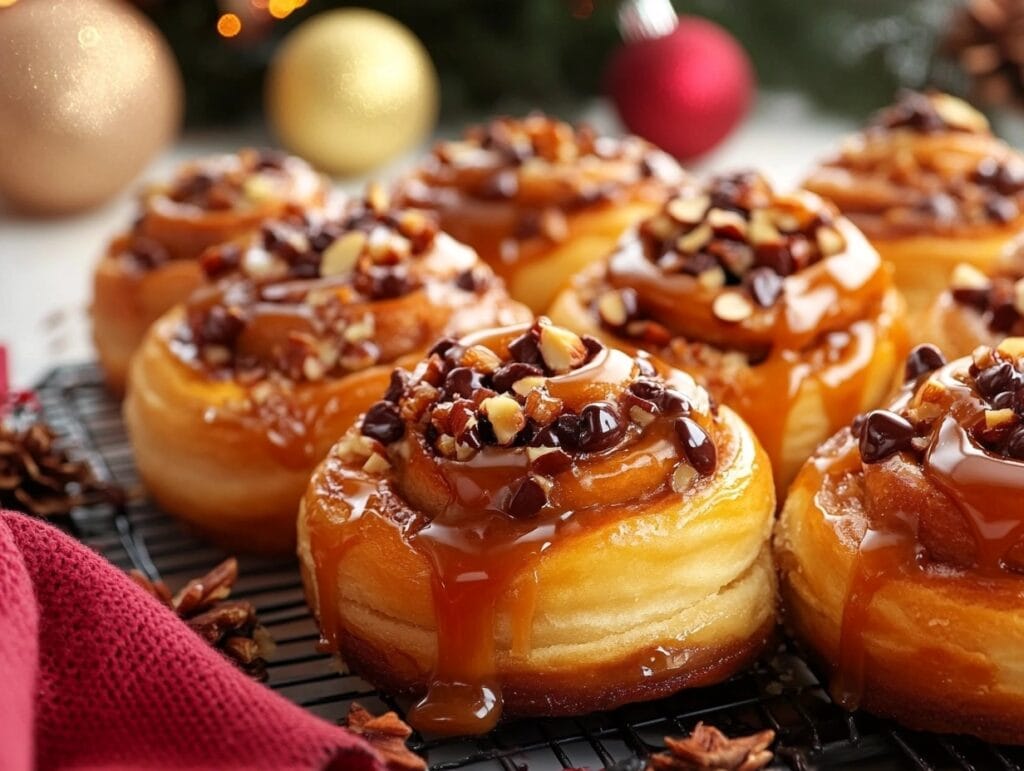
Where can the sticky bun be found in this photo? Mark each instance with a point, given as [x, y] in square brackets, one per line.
[775, 303]
[901, 549]
[539, 198]
[532, 522]
[978, 307]
[153, 266]
[235, 396]
[930, 187]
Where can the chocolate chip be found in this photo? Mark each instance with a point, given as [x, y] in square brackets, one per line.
[995, 379]
[526, 349]
[383, 423]
[469, 281]
[221, 326]
[221, 260]
[650, 390]
[644, 366]
[1015, 444]
[1002, 401]
[500, 186]
[673, 403]
[269, 158]
[765, 286]
[882, 434]
[397, 385]
[600, 427]
[381, 282]
[148, 253]
[778, 257]
[941, 206]
[442, 346]
[700, 451]
[922, 359]
[1001, 209]
[564, 433]
[974, 297]
[507, 374]
[527, 499]
[462, 381]
[593, 346]
[1004, 316]
[551, 463]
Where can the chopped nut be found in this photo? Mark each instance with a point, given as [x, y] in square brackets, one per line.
[360, 330]
[216, 355]
[525, 385]
[612, 308]
[415, 404]
[542, 408]
[966, 276]
[660, 227]
[313, 369]
[683, 477]
[732, 307]
[1012, 347]
[762, 230]
[727, 222]
[481, 358]
[712, 279]
[261, 264]
[640, 416]
[830, 241]
[464, 451]
[996, 418]
[506, 417]
[377, 198]
[553, 224]
[413, 223]
[956, 113]
[376, 464]
[688, 211]
[982, 355]
[561, 349]
[446, 445]
[695, 240]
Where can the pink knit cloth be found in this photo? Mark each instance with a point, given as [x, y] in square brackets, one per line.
[95, 674]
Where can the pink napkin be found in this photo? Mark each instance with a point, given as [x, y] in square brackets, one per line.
[94, 673]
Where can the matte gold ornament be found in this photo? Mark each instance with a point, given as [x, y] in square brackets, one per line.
[350, 89]
[89, 92]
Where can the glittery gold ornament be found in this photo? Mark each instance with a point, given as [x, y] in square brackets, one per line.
[350, 89]
[89, 92]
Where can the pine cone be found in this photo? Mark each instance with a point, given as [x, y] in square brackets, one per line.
[38, 477]
[229, 626]
[986, 37]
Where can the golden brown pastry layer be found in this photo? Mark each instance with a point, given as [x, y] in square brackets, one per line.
[931, 187]
[538, 198]
[535, 523]
[152, 267]
[236, 395]
[774, 302]
[901, 549]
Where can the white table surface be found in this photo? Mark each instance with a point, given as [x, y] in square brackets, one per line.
[45, 264]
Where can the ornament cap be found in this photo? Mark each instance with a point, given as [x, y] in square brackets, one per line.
[646, 19]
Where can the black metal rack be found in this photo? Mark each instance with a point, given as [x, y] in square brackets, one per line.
[780, 692]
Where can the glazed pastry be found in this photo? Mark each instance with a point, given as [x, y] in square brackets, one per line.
[153, 266]
[930, 187]
[538, 198]
[901, 549]
[774, 302]
[533, 523]
[237, 395]
[978, 308]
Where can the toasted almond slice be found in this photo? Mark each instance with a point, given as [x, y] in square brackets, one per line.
[695, 240]
[966, 276]
[683, 477]
[688, 210]
[732, 307]
[376, 464]
[506, 417]
[561, 349]
[341, 256]
[830, 241]
[958, 114]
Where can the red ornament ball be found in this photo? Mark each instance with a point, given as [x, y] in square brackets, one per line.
[685, 91]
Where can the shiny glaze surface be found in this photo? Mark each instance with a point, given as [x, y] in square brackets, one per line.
[461, 515]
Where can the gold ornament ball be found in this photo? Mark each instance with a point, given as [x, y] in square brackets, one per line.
[89, 92]
[351, 89]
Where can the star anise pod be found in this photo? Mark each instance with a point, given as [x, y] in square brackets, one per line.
[38, 477]
[986, 37]
[708, 749]
[229, 626]
[387, 734]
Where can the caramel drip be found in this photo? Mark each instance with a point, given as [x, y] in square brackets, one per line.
[989, 491]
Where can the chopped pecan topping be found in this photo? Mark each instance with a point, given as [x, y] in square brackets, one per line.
[999, 298]
[708, 749]
[229, 626]
[930, 112]
[387, 734]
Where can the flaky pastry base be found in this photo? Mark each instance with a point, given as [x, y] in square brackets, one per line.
[692, 575]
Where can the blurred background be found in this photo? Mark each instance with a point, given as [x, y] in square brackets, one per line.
[99, 96]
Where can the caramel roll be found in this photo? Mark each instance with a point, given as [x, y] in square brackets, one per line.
[539, 198]
[774, 302]
[930, 186]
[901, 549]
[237, 395]
[978, 308]
[152, 267]
[530, 522]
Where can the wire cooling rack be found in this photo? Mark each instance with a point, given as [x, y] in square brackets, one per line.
[780, 692]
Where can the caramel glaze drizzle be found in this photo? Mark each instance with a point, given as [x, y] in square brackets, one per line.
[311, 298]
[928, 163]
[479, 519]
[212, 199]
[783, 282]
[507, 186]
[942, 474]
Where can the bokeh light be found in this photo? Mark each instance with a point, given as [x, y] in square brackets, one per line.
[229, 25]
